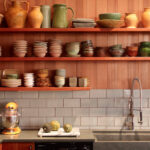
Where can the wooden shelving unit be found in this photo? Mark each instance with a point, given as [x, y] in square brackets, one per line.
[67, 30]
[45, 89]
[24, 59]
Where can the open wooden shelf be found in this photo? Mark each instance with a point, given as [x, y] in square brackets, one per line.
[24, 59]
[45, 89]
[75, 30]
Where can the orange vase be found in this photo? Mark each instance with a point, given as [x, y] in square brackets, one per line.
[146, 18]
[35, 17]
[16, 15]
[131, 20]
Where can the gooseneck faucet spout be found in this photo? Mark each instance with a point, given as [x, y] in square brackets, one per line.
[131, 115]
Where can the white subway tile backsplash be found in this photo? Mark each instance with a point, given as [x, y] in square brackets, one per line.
[106, 103]
[89, 103]
[97, 93]
[114, 93]
[106, 121]
[81, 94]
[71, 102]
[46, 112]
[74, 121]
[60, 112]
[81, 111]
[97, 111]
[30, 112]
[88, 121]
[54, 102]
[13, 94]
[33, 94]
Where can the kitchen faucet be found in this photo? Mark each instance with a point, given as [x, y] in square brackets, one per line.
[131, 115]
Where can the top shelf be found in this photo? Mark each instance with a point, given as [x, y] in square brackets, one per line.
[70, 30]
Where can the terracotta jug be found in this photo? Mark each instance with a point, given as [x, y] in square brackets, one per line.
[16, 15]
[131, 20]
[35, 17]
[60, 16]
[146, 18]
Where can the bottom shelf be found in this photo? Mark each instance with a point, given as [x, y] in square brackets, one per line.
[45, 89]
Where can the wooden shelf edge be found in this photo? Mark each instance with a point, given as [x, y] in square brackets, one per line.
[45, 89]
[75, 30]
[24, 59]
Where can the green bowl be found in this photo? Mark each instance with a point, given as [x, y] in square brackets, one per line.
[145, 44]
[12, 76]
[113, 16]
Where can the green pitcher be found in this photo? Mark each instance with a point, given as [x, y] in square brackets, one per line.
[60, 16]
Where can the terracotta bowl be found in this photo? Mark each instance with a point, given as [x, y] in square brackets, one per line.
[40, 54]
[20, 54]
[132, 51]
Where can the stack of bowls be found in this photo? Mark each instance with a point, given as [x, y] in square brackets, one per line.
[42, 79]
[72, 49]
[11, 82]
[55, 48]
[116, 50]
[20, 48]
[60, 77]
[144, 49]
[110, 20]
[40, 49]
[87, 48]
[28, 79]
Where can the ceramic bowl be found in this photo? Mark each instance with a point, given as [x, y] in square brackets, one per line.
[40, 54]
[59, 81]
[114, 16]
[73, 48]
[109, 23]
[53, 54]
[145, 44]
[20, 54]
[61, 72]
[43, 71]
[42, 75]
[88, 53]
[12, 76]
[117, 52]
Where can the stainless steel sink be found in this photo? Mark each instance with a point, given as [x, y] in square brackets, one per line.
[122, 135]
[122, 140]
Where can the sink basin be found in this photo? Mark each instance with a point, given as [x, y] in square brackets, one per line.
[122, 140]
[122, 135]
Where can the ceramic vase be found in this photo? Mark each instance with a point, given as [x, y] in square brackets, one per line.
[45, 9]
[35, 17]
[131, 20]
[15, 15]
[146, 18]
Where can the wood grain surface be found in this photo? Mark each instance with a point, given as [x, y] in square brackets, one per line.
[108, 74]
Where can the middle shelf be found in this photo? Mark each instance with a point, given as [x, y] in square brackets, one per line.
[16, 59]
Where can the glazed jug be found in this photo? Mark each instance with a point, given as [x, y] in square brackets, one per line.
[45, 9]
[35, 17]
[146, 18]
[131, 20]
[15, 15]
[60, 16]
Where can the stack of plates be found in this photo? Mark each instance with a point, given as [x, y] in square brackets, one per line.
[28, 79]
[40, 48]
[11, 82]
[20, 48]
[55, 48]
[83, 23]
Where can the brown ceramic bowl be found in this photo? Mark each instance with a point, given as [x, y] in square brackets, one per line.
[132, 51]
[42, 75]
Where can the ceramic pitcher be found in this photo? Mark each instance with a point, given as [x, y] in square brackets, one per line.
[60, 16]
[15, 15]
[131, 20]
[45, 9]
[146, 18]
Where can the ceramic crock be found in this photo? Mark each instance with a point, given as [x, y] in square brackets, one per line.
[60, 16]
[15, 15]
[131, 20]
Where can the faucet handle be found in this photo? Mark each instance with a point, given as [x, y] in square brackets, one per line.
[141, 118]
